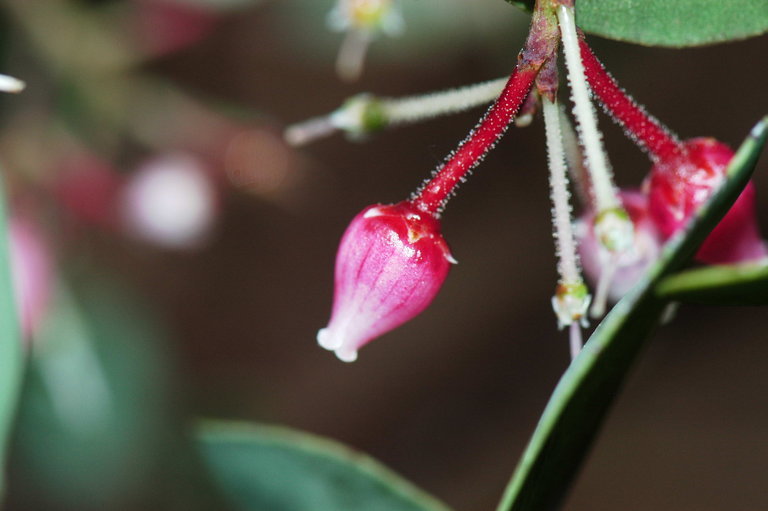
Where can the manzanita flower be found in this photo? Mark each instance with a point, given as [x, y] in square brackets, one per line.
[630, 265]
[391, 262]
[89, 188]
[11, 84]
[171, 201]
[392, 259]
[362, 20]
[164, 26]
[681, 182]
[32, 273]
[684, 175]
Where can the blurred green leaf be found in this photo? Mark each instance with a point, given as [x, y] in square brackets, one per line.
[94, 404]
[262, 468]
[742, 284]
[584, 394]
[11, 356]
[675, 23]
[526, 5]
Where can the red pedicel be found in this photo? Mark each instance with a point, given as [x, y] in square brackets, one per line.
[680, 183]
[391, 262]
[392, 259]
[684, 174]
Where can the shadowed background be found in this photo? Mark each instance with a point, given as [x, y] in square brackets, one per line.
[450, 399]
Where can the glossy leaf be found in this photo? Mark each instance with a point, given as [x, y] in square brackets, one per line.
[11, 356]
[270, 468]
[674, 23]
[584, 394]
[743, 284]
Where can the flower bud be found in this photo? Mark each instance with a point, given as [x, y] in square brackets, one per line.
[390, 264]
[680, 184]
[32, 273]
[371, 15]
[171, 201]
[631, 263]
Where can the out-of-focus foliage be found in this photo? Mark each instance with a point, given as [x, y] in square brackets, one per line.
[677, 23]
[266, 467]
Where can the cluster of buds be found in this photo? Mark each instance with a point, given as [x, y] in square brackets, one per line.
[392, 259]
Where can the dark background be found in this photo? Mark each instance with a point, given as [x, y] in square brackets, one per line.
[450, 399]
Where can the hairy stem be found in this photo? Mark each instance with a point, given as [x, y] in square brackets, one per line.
[645, 130]
[540, 47]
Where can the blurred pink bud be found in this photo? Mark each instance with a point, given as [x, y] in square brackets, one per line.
[391, 263]
[679, 184]
[88, 188]
[171, 201]
[632, 263]
[32, 274]
[165, 26]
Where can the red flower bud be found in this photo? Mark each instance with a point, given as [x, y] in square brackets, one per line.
[391, 263]
[680, 183]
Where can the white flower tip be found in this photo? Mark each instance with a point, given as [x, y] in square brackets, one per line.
[334, 343]
[327, 341]
[346, 355]
[11, 84]
[449, 257]
[308, 131]
[598, 308]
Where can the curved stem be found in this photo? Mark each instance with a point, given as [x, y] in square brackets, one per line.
[431, 198]
[540, 47]
[644, 129]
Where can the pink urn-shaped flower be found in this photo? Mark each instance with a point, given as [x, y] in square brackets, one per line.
[679, 184]
[631, 264]
[32, 273]
[390, 264]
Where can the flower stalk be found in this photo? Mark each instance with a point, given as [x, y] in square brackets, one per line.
[11, 84]
[641, 127]
[613, 225]
[540, 47]
[571, 300]
[392, 259]
[365, 114]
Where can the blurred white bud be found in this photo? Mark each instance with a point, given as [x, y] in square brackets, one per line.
[170, 201]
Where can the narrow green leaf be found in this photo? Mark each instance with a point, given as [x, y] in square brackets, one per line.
[674, 23]
[739, 284]
[271, 468]
[11, 356]
[584, 394]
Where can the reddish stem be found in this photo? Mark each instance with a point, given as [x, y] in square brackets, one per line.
[642, 128]
[435, 193]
